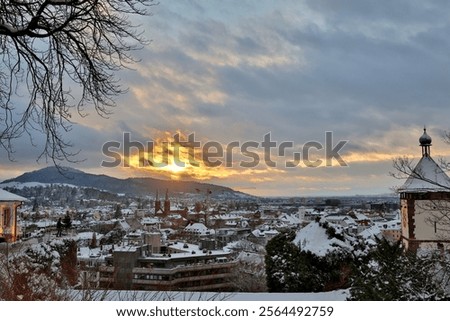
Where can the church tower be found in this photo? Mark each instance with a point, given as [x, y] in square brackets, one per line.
[157, 203]
[425, 203]
[167, 203]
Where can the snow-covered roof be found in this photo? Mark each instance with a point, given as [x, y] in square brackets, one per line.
[264, 232]
[124, 225]
[88, 236]
[190, 250]
[93, 253]
[150, 220]
[289, 219]
[427, 176]
[313, 238]
[371, 232]
[361, 217]
[251, 258]
[9, 197]
[390, 225]
[199, 228]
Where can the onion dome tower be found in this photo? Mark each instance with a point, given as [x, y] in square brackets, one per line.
[425, 142]
[423, 197]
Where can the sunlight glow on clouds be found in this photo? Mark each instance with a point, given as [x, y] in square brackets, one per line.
[373, 74]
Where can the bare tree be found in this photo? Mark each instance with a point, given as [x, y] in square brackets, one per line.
[248, 277]
[439, 218]
[58, 57]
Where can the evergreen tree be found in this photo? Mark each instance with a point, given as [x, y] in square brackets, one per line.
[93, 243]
[290, 269]
[35, 205]
[118, 212]
[67, 221]
[389, 273]
[282, 259]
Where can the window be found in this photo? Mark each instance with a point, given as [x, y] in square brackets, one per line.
[6, 216]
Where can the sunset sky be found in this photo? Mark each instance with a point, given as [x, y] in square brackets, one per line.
[373, 73]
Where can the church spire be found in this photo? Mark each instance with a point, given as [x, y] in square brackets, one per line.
[167, 203]
[157, 203]
[425, 142]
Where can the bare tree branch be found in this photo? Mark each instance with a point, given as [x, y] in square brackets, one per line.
[405, 168]
[60, 56]
[436, 209]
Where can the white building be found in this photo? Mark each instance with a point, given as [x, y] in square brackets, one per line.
[425, 203]
[9, 203]
[199, 229]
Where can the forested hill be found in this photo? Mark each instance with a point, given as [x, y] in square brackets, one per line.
[134, 186]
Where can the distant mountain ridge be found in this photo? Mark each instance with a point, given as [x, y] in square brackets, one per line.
[135, 186]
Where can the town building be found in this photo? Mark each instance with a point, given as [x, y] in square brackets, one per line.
[9, 203]
[154, 266]
[425, 203]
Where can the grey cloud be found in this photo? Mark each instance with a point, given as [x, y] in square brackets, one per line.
[347, 76]
[364, 69]
[400, 11]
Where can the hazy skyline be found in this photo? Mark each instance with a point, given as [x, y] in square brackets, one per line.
[371, 72]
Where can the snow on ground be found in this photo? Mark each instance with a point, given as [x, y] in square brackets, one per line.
[87, 236]
[44, 223]
[20, 185]
[113, 295]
